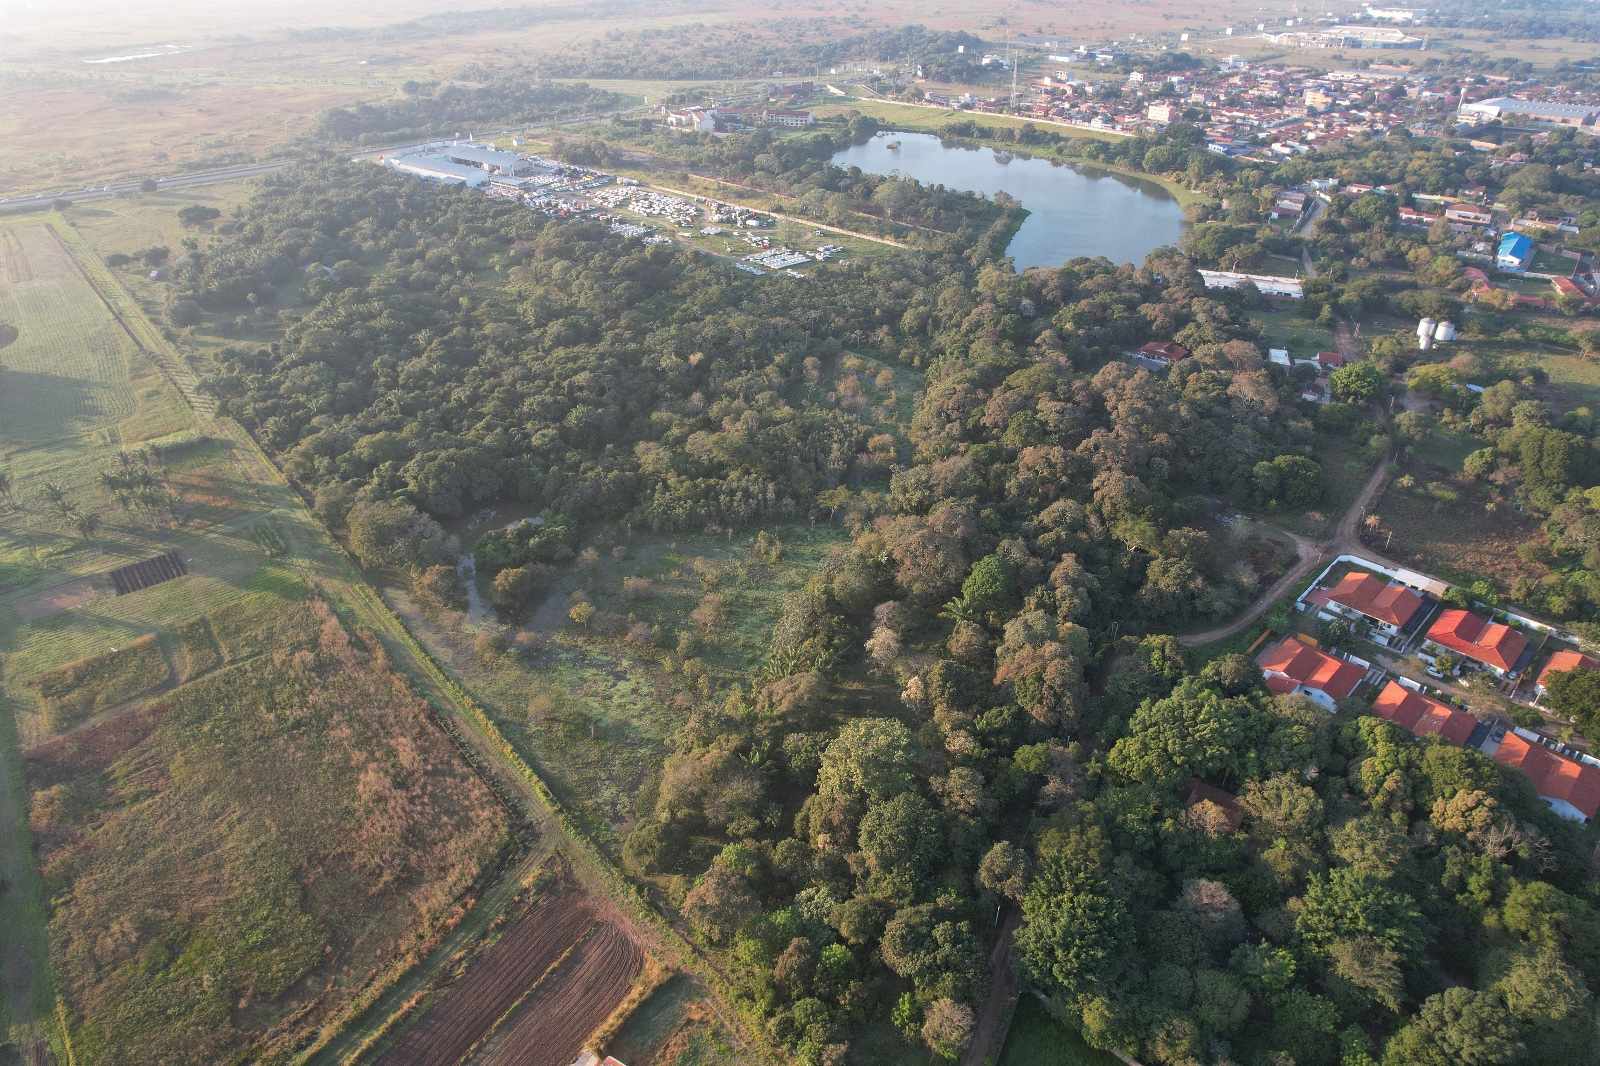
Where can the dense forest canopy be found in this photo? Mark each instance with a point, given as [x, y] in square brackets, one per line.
[1019, 728]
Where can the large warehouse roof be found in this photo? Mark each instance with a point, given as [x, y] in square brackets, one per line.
[1510, 105]
[485, 157]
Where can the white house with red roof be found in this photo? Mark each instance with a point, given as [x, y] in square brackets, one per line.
[1571, 788]
[1293, 666]
[1562, 662]
[1493, 645]
[1387, 605]
[1422, 715]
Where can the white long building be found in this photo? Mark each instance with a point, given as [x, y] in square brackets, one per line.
[1268, 284]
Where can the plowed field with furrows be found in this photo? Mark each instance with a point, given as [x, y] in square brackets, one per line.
[550, 1026]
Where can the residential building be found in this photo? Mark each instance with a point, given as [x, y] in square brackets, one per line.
[1493, 645]
[1160, 355]
[1571, 788]
[1292, 666]
[1388, 606]
[1515, 253]
[1330, 360]
[1162, 113]
[1423, 715]
[1267, 284]
[1227, 805]
[1469, 215]
[1562, 662]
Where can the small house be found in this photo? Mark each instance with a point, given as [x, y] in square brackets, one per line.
[1515, 253]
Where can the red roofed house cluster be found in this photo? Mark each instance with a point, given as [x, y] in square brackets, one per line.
[1292, 666]
[1493, 645]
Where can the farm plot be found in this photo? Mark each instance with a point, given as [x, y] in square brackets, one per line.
[552, 1024]
[555, 969]
[230, 863]
[67, 371]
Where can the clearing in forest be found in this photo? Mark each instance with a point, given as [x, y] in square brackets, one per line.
[231, 862]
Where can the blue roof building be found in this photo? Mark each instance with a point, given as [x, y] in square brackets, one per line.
[1516, 252]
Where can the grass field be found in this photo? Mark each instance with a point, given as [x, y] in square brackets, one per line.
[128, 837]
[231, 861]
[1036, 1039]
[1292, 330]
[1442, 527]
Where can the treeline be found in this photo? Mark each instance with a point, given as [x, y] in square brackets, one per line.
[793, 48]
[959, 711]
[798, 166]
[451, 110]
[459, 352]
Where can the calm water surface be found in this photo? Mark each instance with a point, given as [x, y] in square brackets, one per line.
[1071, 211]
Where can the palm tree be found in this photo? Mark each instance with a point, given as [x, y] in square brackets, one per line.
[87, 525]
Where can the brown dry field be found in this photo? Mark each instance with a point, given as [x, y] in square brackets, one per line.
[247, 86]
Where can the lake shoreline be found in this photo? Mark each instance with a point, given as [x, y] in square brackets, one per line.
[1071, 209]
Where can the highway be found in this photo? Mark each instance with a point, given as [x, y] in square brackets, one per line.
[123, 188]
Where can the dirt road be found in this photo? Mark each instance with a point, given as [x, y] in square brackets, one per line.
[1308, 556]
[994, 1019]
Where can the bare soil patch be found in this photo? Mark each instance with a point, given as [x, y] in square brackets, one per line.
[494, 982]
[61, 597]
[552, 1024]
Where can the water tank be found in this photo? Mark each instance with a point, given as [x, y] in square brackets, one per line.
[1425, 330]
[1445, 331]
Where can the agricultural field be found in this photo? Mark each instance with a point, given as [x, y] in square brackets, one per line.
[206, 901]
[170, 917]
[549, 978]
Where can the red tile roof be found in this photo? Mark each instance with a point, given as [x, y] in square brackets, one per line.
[1554, 777]
[1171, 351]
[1307, 666]
[1564, 661]
[1376, 598]
[1330, 360]
[1421, 715]
[1477, 638]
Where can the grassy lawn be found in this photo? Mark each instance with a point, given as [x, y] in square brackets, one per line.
[1295, 331]
[1574, 380]
[1036, 1039]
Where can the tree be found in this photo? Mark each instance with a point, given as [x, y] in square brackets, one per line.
[1345, 903]
[947, 1027]
[1004, 870]
[391, 533]
[513, 587]
[1457, 1027]
[197, 214]
[899, 838]
[87, 525]
[1576, 693]
[1196, 731]
[1356, 383]
[1076, 933]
